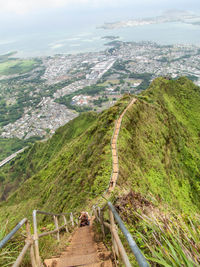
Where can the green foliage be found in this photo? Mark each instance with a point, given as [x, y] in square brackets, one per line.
[88, 90]
[54, 175]
[9, 146]
[100, 100]
[160, 137]
[159, 157]
[18, 66]
[165, 237]
[146, 77]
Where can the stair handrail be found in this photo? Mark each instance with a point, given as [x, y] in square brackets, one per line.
[118, 247]
[32, 240]
[28, 241]
[57, 229]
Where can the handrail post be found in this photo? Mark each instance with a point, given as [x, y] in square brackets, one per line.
[19, 259]
[112, 223]
[65, 222]
[30, 240]
[56, 227]
[72, 219]
[37, 253]
[101, 220]
[121, 248]
[96, 214]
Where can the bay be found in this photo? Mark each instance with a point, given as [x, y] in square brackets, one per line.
[89, 38]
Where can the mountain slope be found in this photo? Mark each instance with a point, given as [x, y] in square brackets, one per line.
[159, 152]
[158, 155]
[56, 174]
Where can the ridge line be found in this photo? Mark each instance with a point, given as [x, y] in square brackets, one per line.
[115, 161]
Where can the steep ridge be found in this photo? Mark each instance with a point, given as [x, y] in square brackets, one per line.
[159, 159]
[54, 175]
[83, 249]
[159, 144]
[115, 166]
[158, 150]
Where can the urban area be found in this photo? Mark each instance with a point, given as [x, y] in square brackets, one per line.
[58, 88]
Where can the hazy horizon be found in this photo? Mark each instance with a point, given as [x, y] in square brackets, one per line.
[50, 19]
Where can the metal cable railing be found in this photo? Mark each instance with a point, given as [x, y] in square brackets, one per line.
[28, 243]
[118, 248]
[32, 241]
[57, 229]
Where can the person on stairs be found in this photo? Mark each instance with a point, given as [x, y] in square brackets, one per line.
[84, 218]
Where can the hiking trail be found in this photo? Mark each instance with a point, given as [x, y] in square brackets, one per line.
[83, 250]
[115, 162]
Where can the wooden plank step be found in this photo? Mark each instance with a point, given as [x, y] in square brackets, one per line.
[113, 146]
[78, 260]
[73, 252]
[100, 264]
[115, 168]
[115, 159]
[51, 262]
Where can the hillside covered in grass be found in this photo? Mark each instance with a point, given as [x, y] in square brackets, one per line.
[160, 137]
[55, 175]
[159, 154]
[158, 189]
[159, 158]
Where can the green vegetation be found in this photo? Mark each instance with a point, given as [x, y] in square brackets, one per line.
[163, 129]
[146, 77]
[100, 100]
[76, 159]
[17, 66]
[159, 159]
[167, 238]
[88, 90]
[121, 66]
[10, 146]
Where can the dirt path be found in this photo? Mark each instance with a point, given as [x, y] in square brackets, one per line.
[115, 165]
[83, 251]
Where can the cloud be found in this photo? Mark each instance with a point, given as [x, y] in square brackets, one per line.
[56, 46]
[27, 6]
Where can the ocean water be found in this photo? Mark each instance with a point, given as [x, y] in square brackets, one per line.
[89, 39]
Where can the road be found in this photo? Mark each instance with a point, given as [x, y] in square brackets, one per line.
[6, 160]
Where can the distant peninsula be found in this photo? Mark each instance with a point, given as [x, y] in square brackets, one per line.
[169, 16]
[110, 37]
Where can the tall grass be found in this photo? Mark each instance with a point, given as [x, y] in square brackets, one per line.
[173, 241]
[10, 251]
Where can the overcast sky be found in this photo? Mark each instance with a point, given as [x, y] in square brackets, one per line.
[16, 15]
[30, 6]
